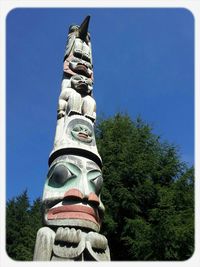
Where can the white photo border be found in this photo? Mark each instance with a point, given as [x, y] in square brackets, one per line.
[5, 7]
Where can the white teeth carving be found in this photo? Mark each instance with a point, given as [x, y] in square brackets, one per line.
[74, 239]
[68, 235]
[59, 234]
[77, 241]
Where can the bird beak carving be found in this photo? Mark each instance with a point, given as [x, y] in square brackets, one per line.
[84, 28]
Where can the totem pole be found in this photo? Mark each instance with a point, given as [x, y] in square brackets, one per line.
[72, 207]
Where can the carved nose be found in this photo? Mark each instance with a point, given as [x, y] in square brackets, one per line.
[76, 194]
[94, 198]
[73, 193]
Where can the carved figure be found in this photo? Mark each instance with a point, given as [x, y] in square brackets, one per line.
[71, 203]
[76, 90]
[72, 193]
[77, 138]
[75, 98]
[78, 52]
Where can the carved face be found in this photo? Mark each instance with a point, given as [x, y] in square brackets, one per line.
[72, 193]
[78, 61]
[78, 54]
[82, 84]
[82, 133]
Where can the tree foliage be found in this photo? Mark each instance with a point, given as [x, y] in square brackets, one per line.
[22, 222]
[148, 193]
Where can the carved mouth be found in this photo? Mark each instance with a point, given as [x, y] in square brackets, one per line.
[73, 212]
[83, 135]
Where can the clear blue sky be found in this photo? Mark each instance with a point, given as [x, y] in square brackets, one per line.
[143, 65]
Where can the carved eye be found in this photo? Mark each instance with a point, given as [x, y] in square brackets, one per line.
[77, 128]
[98, 182]
[60, 175]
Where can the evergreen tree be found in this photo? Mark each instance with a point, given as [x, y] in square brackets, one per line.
[22, 223]
[148, 193]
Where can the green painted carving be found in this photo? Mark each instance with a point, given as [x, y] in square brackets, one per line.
[72, 192]
[82, 133]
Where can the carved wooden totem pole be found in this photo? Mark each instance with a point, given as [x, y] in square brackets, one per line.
[72, 207]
